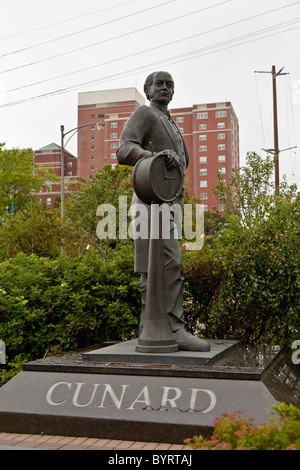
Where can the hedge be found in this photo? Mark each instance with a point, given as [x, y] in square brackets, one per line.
[48, 305]
[245, 284]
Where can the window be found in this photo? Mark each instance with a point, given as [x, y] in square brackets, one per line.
[114, 145]
[113, 155]
[202, 115]
[179, 119]
[204, 207]
[203, 184]
[203, 148]
[92, 147]
[221, 147]
[221, 136]
[69, 173]
[222, 170]
[114, 125]
[202, 137]
[92, 116]
[93, 157]
[93, 128]
[48, 201]
[203, 196]
[181, 130]
[92, 168]
[202, 127]
[221, 125]
[69, 164]
[221, 158]
[92, 137]
[100, 116]
[221, 114]
[221, 207]
[203, 160]
[203, 171]
[114, 135]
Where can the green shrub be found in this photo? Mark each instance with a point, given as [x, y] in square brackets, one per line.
[66, 303]
[232, 432]
[245, 283]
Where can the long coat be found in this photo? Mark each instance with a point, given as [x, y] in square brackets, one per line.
[146, 126]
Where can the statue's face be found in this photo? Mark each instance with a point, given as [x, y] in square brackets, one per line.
[162, 89]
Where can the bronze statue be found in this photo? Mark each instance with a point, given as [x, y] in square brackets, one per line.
[150, 130]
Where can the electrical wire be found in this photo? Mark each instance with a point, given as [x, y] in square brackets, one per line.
[85, 29]
[150, 50]
[145, 28]
[259, 109]
[66, 20]
[293, 132]
[176, 59]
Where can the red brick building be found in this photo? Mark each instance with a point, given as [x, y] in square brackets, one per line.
[50, 156]
[211, 132]
[113, 107]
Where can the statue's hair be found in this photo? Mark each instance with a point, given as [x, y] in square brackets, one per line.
[148, 83]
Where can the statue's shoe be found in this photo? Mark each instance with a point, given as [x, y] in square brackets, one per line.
[188, 342]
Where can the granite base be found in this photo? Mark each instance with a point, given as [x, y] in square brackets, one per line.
[163, 402]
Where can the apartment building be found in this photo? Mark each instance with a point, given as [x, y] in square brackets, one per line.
[50, 156]
[113, 107]
[211, 133]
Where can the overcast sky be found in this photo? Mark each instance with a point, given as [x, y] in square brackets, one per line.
[51, 51]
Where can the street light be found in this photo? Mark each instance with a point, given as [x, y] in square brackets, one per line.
[100, 126]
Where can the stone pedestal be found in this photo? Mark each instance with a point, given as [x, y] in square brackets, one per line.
[111, 392]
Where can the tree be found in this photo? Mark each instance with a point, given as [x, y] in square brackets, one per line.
[81, 220]
[214, 222]
[20, 178]
[244, 283]
[34, 229]
[249, 195]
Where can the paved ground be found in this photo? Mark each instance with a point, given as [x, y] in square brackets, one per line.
[10, 441]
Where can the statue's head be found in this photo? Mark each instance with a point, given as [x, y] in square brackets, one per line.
[159, 88]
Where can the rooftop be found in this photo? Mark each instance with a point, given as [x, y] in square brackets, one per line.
[110, 96]
[53, 148]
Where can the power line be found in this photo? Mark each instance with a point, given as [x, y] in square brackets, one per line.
[276, 149]
[259, 108]
[170, 61]
[153, 26]
[293, 133]
[66, 20]
[144, 28]
[85, 29]
[155, 48]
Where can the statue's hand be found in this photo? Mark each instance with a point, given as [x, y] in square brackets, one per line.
[172, 159]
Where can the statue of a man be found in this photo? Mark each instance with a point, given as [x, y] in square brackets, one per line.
[151, 129]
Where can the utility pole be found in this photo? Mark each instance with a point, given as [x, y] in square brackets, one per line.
[276, 150]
